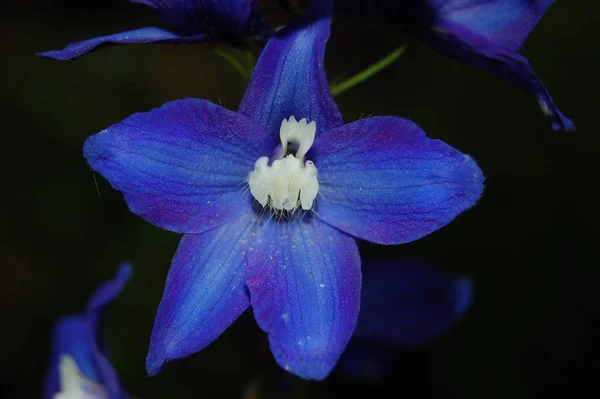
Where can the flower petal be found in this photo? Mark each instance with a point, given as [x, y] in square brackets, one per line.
[70, 336]
[77, 336]
[204, 292]
[103, 296]
[471, 48]
[289, 78]
[406, 303]
[182, 166]
[304, 281]
[142, 35]
[505, 22]
[233, 18]
[383, 181]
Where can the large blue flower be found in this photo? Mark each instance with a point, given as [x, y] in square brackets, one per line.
[487, 34]
[271, 204]
[192, 21]
[404, 304]
[79, 367]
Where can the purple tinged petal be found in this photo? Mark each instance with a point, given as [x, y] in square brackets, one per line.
[304, 281]
[77, 336]
[383, 181]
[289, 78]
[182, 166]
[473, 49]
[504, 22]
[406, 303]
[204, 292]
[142, 35]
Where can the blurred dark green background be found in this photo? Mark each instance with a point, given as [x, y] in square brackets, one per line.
[530, 244]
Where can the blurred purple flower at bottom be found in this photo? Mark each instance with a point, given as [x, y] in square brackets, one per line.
[192, 21]
[79, 368]
[404, 304]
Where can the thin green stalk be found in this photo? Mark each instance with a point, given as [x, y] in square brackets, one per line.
[235, 62]
[368, 72]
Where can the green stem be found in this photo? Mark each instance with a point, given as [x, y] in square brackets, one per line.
[235, 62]
[365, 74]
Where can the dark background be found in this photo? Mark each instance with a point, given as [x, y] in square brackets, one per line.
[529, 245]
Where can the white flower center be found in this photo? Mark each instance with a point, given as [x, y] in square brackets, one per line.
[73, 385]
[288, 182]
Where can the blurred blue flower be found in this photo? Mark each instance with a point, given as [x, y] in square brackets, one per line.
[263, 226]
[487, 34]
[79, 367]
[192, 21]
[405, 304]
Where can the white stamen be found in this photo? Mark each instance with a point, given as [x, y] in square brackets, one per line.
[73, 385]
[300, 133]
[288, 182]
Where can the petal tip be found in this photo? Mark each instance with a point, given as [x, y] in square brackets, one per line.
[462, 292]
[472, 175]
[154, 363]
[53, 55]
[307, 371]
[124, 272]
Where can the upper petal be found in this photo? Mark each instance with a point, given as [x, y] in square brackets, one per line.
[142, 35]
[289, 77]
[222, 17]
[304, 281]
[505, 22]
[474, 49]
[383, 181]
[407, 303]
[182, 166]
[77, 336]
[204, 292]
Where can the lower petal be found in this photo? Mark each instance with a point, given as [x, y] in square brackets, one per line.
[142, 35]
[204, 292]
[304, 280]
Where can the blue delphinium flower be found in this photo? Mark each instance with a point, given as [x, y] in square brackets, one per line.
[271, 198]
[404, 304]
[487, 34]
[193, 21]
[79, 367]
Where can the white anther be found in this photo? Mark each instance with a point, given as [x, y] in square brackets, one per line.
[300, 133]
[288, 182]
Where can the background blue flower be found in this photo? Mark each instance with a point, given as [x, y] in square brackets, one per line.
[404, 304]
[487, 34]
[192, 21]
[79, 362]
